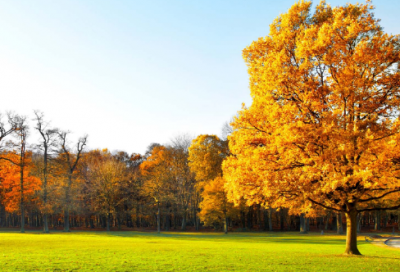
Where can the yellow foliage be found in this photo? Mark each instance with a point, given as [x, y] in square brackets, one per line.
[215, 206]
[206, 155]
[155, 173]
[323, 127]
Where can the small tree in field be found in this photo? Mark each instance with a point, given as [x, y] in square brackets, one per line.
[323, 127]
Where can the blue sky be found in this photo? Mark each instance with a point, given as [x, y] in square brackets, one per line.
[129, 73]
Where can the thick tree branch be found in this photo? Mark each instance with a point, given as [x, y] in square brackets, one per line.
[380, 209]
[324, 206]
[379, 197]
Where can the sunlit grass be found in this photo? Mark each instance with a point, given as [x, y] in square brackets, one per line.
[141, 251]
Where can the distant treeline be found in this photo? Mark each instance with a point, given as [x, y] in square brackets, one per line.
[56, 184]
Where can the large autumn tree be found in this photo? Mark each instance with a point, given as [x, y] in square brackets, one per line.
[323, 127]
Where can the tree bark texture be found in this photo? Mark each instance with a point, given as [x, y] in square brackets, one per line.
[303, 228]
[351, 239]
[158, 218]
[22, 200]
[225, 224]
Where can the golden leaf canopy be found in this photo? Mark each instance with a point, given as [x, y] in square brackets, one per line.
[323, 126]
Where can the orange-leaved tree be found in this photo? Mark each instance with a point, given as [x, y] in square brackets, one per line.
[10, 182]
[323, 126]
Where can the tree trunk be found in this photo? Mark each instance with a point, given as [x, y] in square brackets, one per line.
[22, 200]
[243, 219]
[45, 223]
[137, 216]
[351, 238]
[270, 219]
[108, 221]
[359, 221]
[30, 219]
[175, 216]
[167, 221]
[289, 222]
[339, 223]
[67, 202]
[327, 220]
[377, 220]
[398, 220]
[282, 219]
[319, 223]
[195, 219]
[197, 223]
[158, 218]
[66, 221]
[249, 218]
[183, 228]
[385, 220]
[266, 221]
[225, 223]
[91, 223]
[3, 216]
[303, 228]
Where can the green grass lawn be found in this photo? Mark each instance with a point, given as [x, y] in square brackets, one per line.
[139, 251]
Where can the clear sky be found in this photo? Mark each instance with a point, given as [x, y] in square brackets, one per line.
[129, 73]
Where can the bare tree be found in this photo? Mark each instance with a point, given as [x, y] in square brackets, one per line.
[150, 149]
[182, 142]
[227, 130]
[7, 128]
[47, 145]
[70, 159]
[22, 135]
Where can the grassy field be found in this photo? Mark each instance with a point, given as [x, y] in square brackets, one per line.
[139, 251]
